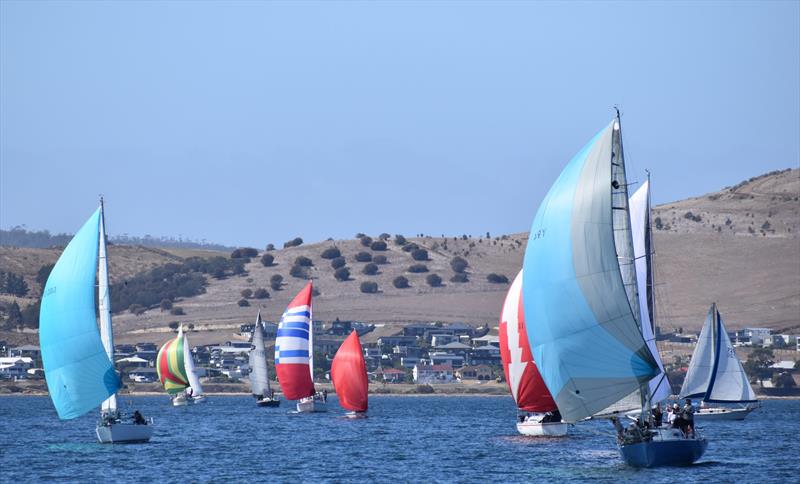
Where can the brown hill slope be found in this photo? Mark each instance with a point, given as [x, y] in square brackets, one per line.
[754, 275]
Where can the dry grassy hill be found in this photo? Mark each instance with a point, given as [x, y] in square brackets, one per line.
[739, 247]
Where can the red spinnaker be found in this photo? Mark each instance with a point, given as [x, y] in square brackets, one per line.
[294, 347]
[349, 374]
[524, 380]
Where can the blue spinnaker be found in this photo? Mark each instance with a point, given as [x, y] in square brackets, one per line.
[79, 373]
[581, 325]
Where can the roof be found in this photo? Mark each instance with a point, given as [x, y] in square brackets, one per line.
[142, 370]
[132, 359]
[783, 365]
[26, 348]
[391, 371]
[455, 345]
[489, 338]
[13, 360]
[442, 367]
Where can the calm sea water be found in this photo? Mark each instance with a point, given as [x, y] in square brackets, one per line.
[432, 439]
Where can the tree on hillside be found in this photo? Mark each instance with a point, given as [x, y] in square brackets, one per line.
[43, 274]
[342, 274]
[460, 278]
[247, 293]
[177, 311]
[261, 293]
[400, 282]
[458, 264]
[14, 315]
[418, 268]
[267, 260]
[497, 278]
[303, 261]
[784, 380]
[364, 257]
[299, 272]
[419, 254]
[369, 287]
[174, 325]
[13, 284]
[166, 305]
[758, 364]
[243, 303]
[270, 247]
[370, 269]
[295, 242]
[399, 240]
[378, 245]
[434, 280]
[331, 253]
[275, 282]
[366, 240]
[380, 259]
[338, 262]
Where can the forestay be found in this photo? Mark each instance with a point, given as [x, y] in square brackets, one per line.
[579, 309]
[79, 373]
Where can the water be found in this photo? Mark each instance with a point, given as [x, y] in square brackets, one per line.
[430, 438]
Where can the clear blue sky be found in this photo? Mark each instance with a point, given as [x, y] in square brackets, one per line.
[253, 122]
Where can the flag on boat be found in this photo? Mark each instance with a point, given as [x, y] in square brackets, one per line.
[523, 377]
[349, 375]
[293, 356]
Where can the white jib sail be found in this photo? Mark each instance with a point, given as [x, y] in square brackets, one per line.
[730, 383]
[194, 382]
[698, 375]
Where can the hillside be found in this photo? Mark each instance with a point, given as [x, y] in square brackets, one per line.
[739, 247]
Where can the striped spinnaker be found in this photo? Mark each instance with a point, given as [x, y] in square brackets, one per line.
[171, 366]
[293, 347]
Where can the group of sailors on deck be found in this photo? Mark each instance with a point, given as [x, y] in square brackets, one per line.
[677, 417]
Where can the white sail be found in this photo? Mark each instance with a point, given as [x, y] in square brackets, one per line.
[259, 377]
[715, 373]
[194, 382]
[640, 228]
[109, 405]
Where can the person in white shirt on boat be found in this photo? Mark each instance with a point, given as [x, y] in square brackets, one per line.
[673, 415]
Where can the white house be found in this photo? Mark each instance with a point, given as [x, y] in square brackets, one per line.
[15, 367]
[433, 373]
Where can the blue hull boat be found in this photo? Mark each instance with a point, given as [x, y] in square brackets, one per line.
[667, 448]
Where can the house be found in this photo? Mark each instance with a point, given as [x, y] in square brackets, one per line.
[416, 330]
[487, 340]
[455, 347]
[27, 351]
[15, 367]
[485, 355]
[391, 375]
[133, 362]
[409, 361]
[146, 347]
[788, 341]
[340, 328]
[477, 372]
[397, 340]
[442, 357]
[757, 336]
[427, 374]
[143, 375]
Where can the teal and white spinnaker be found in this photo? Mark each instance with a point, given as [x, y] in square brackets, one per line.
[80, 375]
[580, 295]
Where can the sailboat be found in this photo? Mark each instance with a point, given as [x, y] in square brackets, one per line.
[349, 375]
[581, 303]
[540, 415]
[259, 374]
[176, 372]
[716, 375]
[294, 354]
[78, 359]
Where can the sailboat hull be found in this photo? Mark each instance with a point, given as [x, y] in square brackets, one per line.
[124, 433]
[537, 429]
[268, 403]
[721, 413]
[667, 448]
[311, 404]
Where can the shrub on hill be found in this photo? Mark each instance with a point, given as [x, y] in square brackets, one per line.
[11, 283]
[43, 274]
[244, 253]
[303, 261]
[370, 269]
[177, 311]
[369, 287]
[261, 293]
[419, 254]
[267, 260]
[275, 282]
[384, 236]
[247, 293]
[338, 262]
[174, 325]
[459, 264]
[295, 242]
[400, 282]
[270, 247]
[380, 259]
[342, 274]
[460, 278]
[410, 247]
[433, 280]
[400, 240]
[137, 309]
[331, 253]
[359, 235]
[497, 278]
[418, 268]
[243, 303]
[166, 305]
[364, 257]
[366, 240]
[378, 245]
[425, 389]
[300, 272]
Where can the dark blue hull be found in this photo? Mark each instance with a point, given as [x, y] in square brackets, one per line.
[663, 453]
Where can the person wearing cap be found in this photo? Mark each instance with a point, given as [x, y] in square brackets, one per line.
[687, 415]
[673, 416]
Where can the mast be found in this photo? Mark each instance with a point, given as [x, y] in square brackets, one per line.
[311, 332]
[104, 306]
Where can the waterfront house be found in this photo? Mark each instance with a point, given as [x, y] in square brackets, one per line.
[15, 367]
[432, 374]
[477, 372]
[26, 351]
[391, 375]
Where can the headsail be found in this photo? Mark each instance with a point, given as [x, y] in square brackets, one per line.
[259, 379]
[171, 367]
[642, 250]
[293, 350]
[349, 375]
[194, 381]
[524, 380]
[580, 309]
[715, 373]
[79, 373]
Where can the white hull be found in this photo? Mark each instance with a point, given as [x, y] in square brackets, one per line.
[722, 413]
[310, 405]
[124, 433]
[356, 415]
[536, 429]
[199, 399]
[180, 401]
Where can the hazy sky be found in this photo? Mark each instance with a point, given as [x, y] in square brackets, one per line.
[253, 122]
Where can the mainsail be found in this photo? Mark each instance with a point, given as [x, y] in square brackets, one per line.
[349, 375]
[715, 373]
[80, 374]
[642, 250]
[522, 376]
[294, 349]
[259, 378]
[194, 381]
[579, 287]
